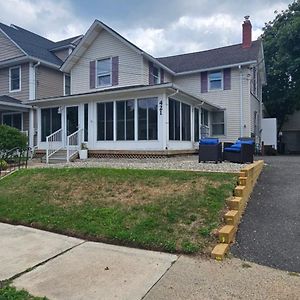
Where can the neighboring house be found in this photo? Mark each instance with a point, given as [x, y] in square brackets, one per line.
[123, 99]
[291, 134]
[29, 69]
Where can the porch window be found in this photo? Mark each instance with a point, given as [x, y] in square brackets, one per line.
[125, 120]
[196, 125]
[215, 80]
[105, 121]
[179, 121]
[204, 117]
[86, 122]
[67, 87]
[13, 120]
[50, 121]
[217, 123]
[147, 118]
[104, 70]
[186, 122]
[15, 79]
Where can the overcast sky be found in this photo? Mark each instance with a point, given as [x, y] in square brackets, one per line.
[160, 27]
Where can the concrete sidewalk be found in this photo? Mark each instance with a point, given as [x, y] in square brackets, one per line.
[61, 268]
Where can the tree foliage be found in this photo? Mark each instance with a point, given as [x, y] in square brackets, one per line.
[281, 40]
[11, 138]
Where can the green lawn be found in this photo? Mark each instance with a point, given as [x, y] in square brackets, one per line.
[10, 293]
[173, 211]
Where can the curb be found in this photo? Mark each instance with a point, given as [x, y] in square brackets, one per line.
[247, 179]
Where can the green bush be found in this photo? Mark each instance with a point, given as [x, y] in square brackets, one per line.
[3, 166]
[11, 138]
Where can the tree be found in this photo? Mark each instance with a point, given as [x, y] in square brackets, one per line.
[281, 40]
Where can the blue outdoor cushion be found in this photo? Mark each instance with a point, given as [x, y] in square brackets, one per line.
[246, 142]
[209, 141]
[236, 145]
[232, 149]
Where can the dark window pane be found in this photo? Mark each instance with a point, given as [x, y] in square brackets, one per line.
[152, 119]
[67, 84]
[45, 120]
[17, 121]
[204, 117]
[186, 122]
[120, 120]
[100, 121]
[142, 119]
[174, 120]
[86, 122]
[130, 120]
[109, 121]
[15, 79]
[7, 120]
[196, 125]
[177, 120]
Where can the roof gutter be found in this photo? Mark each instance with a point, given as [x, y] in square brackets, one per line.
[217, 67]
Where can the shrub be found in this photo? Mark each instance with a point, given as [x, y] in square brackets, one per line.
[11, 138]
[3, 164]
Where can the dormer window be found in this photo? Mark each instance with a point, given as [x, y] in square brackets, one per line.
[15, 79]
[67, 84]
[215, 80]
[104, 72]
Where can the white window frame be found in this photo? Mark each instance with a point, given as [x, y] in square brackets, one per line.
[10, 114]
[65, 74]
[20, 79]
[106, 74]
[222, 80]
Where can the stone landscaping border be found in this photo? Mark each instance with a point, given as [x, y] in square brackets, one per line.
[237, 204]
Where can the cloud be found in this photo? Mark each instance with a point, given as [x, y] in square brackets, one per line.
[158, 26]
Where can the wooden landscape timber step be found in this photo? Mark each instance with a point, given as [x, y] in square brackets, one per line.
[247, 179]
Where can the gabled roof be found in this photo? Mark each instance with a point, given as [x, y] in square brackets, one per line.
[214, 58]
[9, 103]
[70, 42]
[34, 45]
[8, 99]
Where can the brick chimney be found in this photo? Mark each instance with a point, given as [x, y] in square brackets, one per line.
[247, 33]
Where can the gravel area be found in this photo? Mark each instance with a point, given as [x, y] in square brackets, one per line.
[170, 163]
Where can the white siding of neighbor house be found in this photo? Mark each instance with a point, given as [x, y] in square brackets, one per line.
[106, 45]
[228, 99]
[8, 50]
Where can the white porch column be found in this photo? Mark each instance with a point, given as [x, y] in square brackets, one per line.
[31, 128]
[165, 127]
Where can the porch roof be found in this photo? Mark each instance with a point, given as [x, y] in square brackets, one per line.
[11, 104]
[128, 91]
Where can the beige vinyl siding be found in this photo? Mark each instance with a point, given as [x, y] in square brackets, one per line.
[8, 50]
[49, 83]
[4, 83]
[104, 46]
[168, 77]
[228, 99]
[145, 76]
[62, 54]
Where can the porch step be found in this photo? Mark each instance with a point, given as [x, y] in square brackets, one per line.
[60, 157]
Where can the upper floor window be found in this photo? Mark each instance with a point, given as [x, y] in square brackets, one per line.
[156, 75]
[15, 79]
[215, 81]
[67, 87]
[104, 72]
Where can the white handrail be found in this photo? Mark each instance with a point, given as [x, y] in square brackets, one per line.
[51, 148]
[74, 140]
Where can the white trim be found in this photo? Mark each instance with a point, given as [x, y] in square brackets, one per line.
[216, 68]
[13, 113]
[20, 79]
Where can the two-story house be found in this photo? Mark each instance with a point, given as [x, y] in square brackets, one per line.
[29, 69]
[124, 100]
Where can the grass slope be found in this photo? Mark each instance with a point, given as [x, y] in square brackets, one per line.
[174, 211]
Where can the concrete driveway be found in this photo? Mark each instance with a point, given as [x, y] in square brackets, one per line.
[60, 268]
[269, 233]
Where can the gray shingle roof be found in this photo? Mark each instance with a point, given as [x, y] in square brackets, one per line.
[65, 42]
[8, 99]
[34, 45]
[213, 58]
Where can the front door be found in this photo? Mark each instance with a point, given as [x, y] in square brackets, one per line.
[72, 119]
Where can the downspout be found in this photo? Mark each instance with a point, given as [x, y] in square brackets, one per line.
[241, 102]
